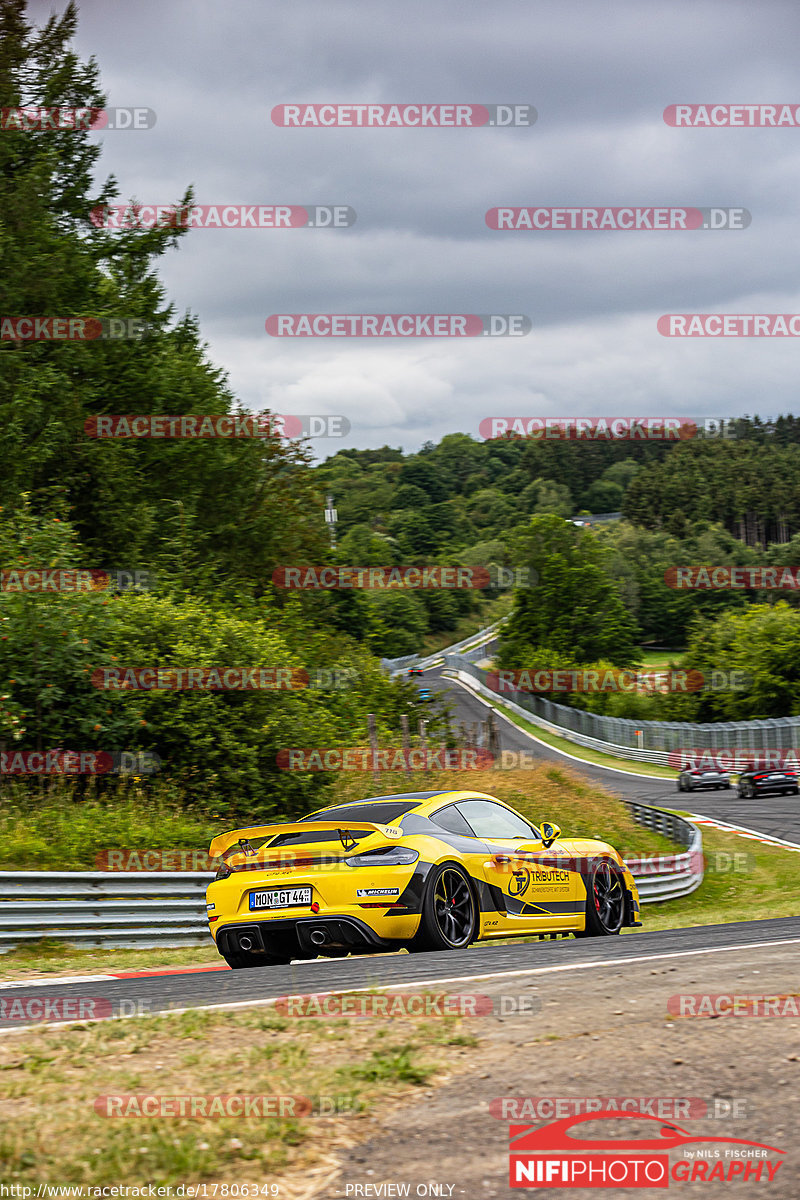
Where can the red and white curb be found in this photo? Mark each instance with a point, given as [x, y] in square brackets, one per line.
[752, 835]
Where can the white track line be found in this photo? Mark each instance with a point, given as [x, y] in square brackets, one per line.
[585, 762]
[417, 983]
[56, 980]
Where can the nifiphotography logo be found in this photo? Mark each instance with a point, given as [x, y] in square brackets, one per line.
[553, 1156]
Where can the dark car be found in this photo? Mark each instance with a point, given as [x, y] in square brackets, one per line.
[756, 781]
[690, 780]
[415, 670]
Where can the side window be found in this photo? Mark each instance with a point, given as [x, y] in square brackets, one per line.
[490, 820]
[450, 818]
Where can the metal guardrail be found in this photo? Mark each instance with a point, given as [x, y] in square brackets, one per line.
[668, 876]
[640, 741]
[475, 640]
[104, 908]
[148, 909]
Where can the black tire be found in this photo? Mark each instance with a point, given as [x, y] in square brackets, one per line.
[796, 792]
[680, 785]
[238, 962]
[449, 913]
[605, 900]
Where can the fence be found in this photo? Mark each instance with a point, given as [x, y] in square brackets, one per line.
[147, 909]
[644, 741]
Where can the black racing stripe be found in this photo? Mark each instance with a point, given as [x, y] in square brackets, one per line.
[554, 908]
[414, 890]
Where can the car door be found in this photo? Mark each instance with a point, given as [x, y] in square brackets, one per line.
[532, 886]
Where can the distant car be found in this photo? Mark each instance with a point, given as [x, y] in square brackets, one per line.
[424, 693]
[690, 780]
[758, 782]
[415, 670]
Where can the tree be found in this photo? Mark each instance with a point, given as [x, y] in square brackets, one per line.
[574, 608]
[216, 509]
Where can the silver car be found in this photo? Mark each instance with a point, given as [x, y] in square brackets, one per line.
[691, 779]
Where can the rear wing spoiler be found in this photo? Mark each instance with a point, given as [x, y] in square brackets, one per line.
[225, 841]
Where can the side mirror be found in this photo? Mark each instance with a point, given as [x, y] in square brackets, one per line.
[549, 833]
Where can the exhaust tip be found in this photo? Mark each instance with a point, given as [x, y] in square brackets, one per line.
[245, 943]
[318, 936]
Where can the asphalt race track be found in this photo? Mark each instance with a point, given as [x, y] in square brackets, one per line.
[145, 993]
[202, 988]
[778, 816]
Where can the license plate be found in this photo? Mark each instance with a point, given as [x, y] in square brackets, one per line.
[281, 898]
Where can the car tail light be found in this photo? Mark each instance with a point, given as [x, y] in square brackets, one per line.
[223, 872]
[391, 856]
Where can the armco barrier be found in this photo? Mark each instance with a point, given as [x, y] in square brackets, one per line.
[145, 909]
[481, 640]
[669, 876]
[104, 908]
[641, 741]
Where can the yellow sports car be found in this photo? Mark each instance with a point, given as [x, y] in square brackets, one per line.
[422, 870]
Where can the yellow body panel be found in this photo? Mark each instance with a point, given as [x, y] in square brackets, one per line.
[520, 887]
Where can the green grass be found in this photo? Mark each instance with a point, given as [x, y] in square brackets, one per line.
[547, 791]
[58, 832]
[349, 1069]
[48, 957]
[763, 882]
[492, 611]
[660, 658]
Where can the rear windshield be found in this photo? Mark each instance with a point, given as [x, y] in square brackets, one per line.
[315, 835]
[384, 814]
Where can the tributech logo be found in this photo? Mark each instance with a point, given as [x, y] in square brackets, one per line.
[552, 1156]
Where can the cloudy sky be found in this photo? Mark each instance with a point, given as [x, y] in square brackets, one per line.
[599, 75]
